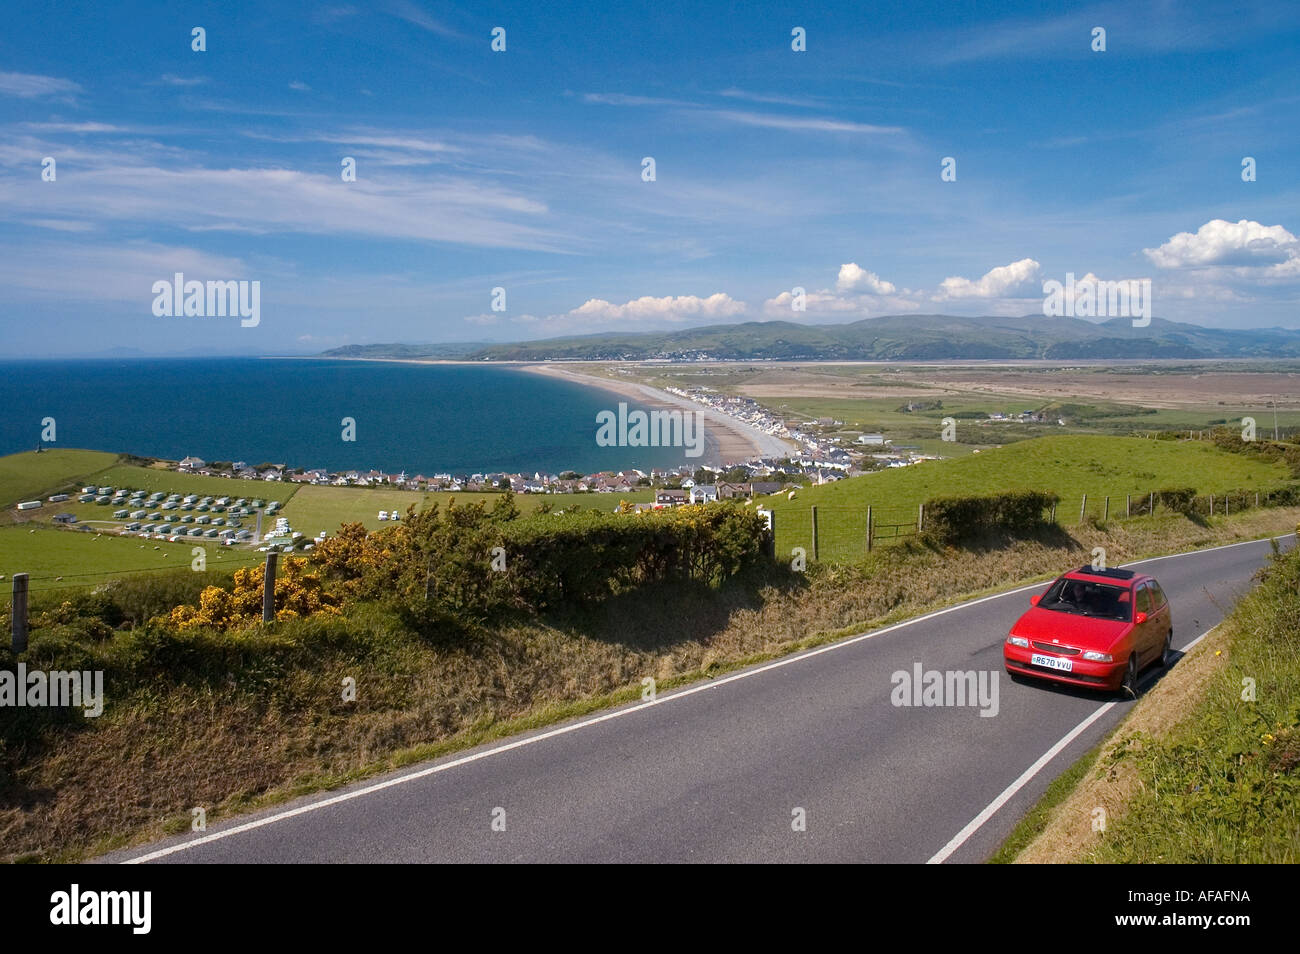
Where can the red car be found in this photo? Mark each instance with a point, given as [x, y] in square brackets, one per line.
[1093, 628]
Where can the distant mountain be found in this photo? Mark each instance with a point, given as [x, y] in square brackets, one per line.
[896, 337]
[455, 349]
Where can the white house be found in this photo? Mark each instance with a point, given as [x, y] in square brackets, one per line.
[704, 493]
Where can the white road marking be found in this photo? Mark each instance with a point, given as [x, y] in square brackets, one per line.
[994, 806]
[616, 714]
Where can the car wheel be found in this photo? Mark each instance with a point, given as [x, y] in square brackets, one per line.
[1130, 684]
[1167, 654]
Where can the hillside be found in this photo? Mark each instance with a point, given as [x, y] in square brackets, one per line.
[895, 337]
[29, 475]
[1068, 465]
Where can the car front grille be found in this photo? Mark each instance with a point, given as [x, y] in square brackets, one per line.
[1054, 648]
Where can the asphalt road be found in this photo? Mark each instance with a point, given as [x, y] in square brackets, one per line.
[714, 772]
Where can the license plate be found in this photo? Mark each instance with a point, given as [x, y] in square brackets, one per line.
[1052, 662]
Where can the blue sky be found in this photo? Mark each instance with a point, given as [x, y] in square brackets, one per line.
[522, 169]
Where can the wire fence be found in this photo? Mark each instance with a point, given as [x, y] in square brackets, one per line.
[847, 534]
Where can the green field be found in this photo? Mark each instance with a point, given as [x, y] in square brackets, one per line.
[87, 558]
[1070, 466]
[169, 481]
[314, 508]
[52, 551]
[33, 476]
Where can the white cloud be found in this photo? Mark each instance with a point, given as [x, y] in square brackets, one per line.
[798, 124]
[171, 79]
[452, 209]
[1245, 246]
[1000, 282]
[622, 99]
[300, 86]
[858, 293]
[108, 273]
[852, 277]
[412, 14]
[31, 86]
[77, 127]
[667, 309]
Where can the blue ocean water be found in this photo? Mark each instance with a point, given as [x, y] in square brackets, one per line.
[418, 418]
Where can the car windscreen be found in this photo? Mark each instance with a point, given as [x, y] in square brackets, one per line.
[1085, 598]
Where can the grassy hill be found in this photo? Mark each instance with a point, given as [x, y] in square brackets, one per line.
[891, 337]
[87, 559]
[1071, 466]
[32, 476]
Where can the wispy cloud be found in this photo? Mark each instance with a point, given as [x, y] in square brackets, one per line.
[171, 79]
[622, 99]
[417, 16]
[799, 123]
[770, 98]
[33, 86]
[88, 127]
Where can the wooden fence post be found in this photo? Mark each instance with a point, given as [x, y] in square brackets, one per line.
[814, 531]
[1128, 506]
[920, 517]
[268, 588]
[771, 516]
[869, 528]
[1083, 508]
[1105, 513]
[19, 642]
[1151, 504]
[1211, 505]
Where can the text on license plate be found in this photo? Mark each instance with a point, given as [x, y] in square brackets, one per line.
[1052, 662]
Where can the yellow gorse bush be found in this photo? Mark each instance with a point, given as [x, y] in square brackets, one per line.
[297, 593]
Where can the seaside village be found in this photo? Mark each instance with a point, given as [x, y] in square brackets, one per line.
[820, 452]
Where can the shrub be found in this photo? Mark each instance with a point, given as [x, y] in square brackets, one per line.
[1178, 499]
[952, 520]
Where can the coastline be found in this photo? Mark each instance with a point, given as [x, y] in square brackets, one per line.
[735, 440]
[727, 440]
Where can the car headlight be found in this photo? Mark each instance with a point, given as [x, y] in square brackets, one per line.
[1018, 641]
[1097, 657]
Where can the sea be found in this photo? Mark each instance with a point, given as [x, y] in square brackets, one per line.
[417, 418]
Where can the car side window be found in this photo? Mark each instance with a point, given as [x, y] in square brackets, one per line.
[1157, 595]
[1144, 599]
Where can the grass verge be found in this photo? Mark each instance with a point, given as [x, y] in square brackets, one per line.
[1205, 769]
[254, 720]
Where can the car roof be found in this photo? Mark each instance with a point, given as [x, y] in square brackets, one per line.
[1114, 576]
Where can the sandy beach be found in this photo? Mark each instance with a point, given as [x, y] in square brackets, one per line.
[728, 440]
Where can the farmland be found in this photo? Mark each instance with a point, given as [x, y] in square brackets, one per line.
[32, 544]
[169, 481]
[36, 476]
[312, 508]
[1117, 398]
[87, 558]
[1070, 466]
